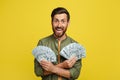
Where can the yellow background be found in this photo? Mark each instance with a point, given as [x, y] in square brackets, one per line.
[94, 23]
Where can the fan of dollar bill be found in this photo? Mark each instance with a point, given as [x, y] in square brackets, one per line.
[43, 52]
[73, 49]
[69, 51]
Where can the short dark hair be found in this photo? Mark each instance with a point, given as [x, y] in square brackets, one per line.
[60, 10]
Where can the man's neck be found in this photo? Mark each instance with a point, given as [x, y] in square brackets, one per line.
[61, 38]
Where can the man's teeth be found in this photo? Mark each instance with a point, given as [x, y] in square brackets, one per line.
[59, 29]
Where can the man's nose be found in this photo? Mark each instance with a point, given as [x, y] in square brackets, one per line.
[59, 24]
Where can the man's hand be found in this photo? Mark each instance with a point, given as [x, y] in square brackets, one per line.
[69, 63]
[48, 66]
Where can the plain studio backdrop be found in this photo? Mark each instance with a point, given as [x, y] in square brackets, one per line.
[94, 24]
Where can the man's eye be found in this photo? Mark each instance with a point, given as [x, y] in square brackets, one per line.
[63, 21]
[55, 20]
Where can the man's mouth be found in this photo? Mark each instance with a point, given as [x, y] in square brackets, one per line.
[58, 29]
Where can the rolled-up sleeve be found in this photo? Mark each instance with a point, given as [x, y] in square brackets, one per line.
[75, 70]
[37, 68]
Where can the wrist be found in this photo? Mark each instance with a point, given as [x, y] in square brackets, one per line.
[62, 65]
[54, 70]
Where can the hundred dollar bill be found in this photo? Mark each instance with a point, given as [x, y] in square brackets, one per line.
[43, 52]
[73, 49]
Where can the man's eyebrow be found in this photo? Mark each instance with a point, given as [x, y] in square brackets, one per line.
[60, 19]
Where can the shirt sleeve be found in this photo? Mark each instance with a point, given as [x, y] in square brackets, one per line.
[37, 67]
[75, 70]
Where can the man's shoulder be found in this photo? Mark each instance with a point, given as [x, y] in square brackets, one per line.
[71, 39]
[47, 38]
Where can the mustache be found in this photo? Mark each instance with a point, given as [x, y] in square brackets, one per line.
[59, 28]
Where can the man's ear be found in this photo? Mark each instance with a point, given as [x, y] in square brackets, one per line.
[69, 23]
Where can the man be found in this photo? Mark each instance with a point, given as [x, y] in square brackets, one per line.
[63, 69]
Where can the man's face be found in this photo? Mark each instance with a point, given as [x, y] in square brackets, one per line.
[59, 24]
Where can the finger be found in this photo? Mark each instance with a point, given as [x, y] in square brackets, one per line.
[43, 64]
[44, 61]
[45, 68]
[72, 58]
[75, 57]
[73, 61]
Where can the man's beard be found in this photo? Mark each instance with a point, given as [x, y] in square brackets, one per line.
[59, 35]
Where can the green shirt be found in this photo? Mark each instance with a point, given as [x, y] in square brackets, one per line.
[52, 43]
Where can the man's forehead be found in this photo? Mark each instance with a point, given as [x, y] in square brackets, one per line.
[60, 16]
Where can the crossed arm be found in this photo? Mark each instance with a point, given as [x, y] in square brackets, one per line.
[71, 70]
[59, 69]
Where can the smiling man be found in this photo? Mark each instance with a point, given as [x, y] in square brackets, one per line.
[59, 25]
[63, 69]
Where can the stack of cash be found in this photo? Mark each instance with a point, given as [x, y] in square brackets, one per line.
[44, 53]
[69, 51]
[73, 50]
